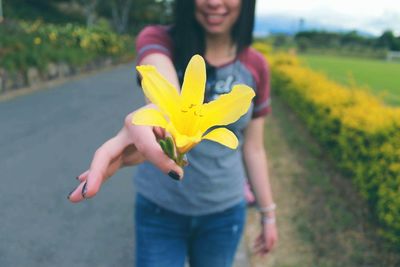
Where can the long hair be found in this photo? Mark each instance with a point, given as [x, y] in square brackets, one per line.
[189, 37]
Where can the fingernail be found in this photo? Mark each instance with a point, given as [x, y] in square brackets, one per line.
[84, 190]
[69, 195]
[174, 175]
[77, 177]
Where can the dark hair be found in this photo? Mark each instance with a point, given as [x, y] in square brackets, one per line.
[189, 38]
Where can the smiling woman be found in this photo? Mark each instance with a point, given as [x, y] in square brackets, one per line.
[225, 84]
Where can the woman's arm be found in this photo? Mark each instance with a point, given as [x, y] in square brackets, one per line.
[132, 145]
[164, 65]
[256, 162]
[257, 170]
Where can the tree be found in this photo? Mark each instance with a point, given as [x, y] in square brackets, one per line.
[89, 9]
[133, 15]
[120, 14]
[388, 40]
[53, 11]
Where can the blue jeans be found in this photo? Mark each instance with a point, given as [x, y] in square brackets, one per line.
[165, 238]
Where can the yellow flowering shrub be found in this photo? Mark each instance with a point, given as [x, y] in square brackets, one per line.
[263, 47]
[361, 132]
[35, 44]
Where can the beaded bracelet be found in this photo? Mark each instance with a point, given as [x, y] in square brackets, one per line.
[267, 209]
[267, 220]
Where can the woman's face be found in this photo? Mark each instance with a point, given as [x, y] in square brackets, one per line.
[217, 16]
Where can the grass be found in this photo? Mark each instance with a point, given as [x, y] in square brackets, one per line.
[380, 77]
[322, 221]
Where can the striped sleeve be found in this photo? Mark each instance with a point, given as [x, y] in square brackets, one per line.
[258, 66]
[262, 102]
[153, 39]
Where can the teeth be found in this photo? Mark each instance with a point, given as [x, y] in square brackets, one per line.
[215, 16]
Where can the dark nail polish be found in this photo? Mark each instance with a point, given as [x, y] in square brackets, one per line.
[77, 177]
[84, 190]
[69, 195]
[174, 175]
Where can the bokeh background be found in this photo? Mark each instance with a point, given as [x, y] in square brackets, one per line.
[333, 140]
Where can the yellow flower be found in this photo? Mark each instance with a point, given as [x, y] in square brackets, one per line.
[53, 36]
[84, 43]
[37, 41]
[113, 49]
[184, 115]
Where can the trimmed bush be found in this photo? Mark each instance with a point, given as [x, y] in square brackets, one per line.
[35, 44]
[361, 133]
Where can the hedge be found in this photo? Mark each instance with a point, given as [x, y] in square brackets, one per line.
[359, 131]
[26, 44]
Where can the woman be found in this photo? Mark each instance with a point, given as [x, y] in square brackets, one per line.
[203, 215]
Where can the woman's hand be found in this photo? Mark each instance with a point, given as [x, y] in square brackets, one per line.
[131, 146]
[266, 239]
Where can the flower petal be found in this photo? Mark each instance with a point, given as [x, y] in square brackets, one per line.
[184, 143]
[228, 108]
[160, 92]
[149, 117]
[223, 136]
[194, 83]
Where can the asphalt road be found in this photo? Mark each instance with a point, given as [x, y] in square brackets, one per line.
[46, 139]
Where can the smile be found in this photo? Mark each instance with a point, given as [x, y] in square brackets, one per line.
[215, 18]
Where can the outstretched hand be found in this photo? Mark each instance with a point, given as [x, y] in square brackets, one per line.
[266, 239]
[131, 146]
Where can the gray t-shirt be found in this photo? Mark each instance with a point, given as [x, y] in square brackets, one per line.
[214, 179]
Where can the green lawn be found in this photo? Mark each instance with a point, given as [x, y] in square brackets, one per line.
[380, 77]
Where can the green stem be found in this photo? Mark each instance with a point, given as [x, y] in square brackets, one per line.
[168, 146]
[180, 159]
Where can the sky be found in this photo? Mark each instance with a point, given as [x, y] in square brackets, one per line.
[373, 16]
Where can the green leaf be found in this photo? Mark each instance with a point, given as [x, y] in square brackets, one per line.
[170, 147]
[163, 146]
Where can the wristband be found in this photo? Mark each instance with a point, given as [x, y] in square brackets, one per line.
[267, 220]
[267, 209]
